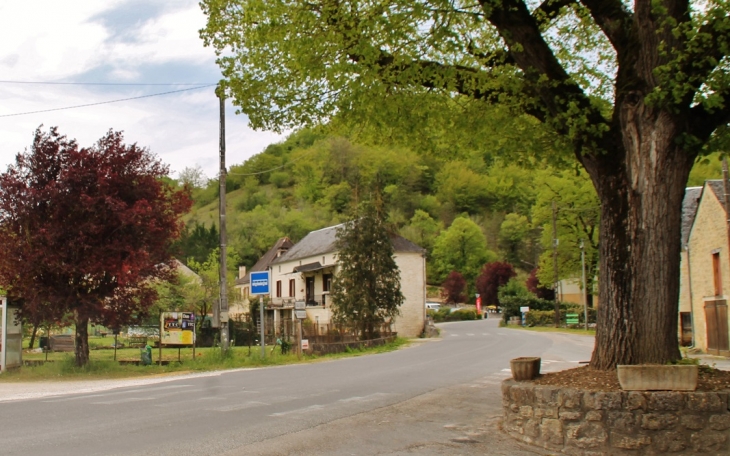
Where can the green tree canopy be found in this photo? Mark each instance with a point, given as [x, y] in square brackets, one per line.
[463, 248]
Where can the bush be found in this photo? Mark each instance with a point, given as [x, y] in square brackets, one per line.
[511, 305]
[445, 314]
[540, 317]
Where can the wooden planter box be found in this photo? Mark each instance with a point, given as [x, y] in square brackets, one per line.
[657, 377]
[525, 368]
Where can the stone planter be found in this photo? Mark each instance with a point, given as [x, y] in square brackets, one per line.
[657, 377]
[525, 368]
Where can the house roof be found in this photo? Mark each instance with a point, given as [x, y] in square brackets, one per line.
[718, 190]
[689, 210]
[278, 249]
[324, 241]
[186, 271]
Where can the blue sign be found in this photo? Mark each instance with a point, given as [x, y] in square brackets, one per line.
[260, 283]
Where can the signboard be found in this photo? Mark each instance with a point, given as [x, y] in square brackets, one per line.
[305, 344]
[524, 309]
[178, 328]
[300, 305]
[260, 283]
[300, 314]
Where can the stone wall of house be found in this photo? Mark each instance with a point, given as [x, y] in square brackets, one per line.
[577, 422]
[413, 285]
[708, 235]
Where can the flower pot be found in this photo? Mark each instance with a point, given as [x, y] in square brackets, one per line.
[658, 377]
[525, 368]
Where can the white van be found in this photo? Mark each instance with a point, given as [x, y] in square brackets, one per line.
[435, 306]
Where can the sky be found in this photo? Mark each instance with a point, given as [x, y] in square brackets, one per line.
[116, 41]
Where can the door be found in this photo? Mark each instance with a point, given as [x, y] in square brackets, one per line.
[309, 289]
[717, 327]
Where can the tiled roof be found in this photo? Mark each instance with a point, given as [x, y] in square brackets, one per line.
[267, 259]
[324, 241]
[689, 210]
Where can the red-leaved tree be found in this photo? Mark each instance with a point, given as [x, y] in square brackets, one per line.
[493, 276]
[84, 231]
[452, 290]
[533, 284]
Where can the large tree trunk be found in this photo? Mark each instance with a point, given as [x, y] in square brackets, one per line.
[82, 340]
[641, 188]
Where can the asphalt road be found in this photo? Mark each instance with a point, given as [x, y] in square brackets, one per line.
[439, 396]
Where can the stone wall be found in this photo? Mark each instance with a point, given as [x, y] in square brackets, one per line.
[589, 423]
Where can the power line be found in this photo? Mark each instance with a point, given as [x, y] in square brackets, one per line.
[273, 169]
[109, 83]
[105, 102]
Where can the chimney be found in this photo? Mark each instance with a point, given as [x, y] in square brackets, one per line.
[241, 272]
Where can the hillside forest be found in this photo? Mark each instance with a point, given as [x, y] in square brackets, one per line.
[466, 207]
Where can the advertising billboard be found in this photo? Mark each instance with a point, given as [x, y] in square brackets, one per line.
[178, 328]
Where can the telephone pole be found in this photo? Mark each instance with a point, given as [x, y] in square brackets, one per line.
[223, 298]
[555, 263]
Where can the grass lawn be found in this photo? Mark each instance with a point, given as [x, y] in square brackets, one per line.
[102, 364]
[582, 332]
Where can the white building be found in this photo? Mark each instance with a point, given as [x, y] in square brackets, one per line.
[305, 273]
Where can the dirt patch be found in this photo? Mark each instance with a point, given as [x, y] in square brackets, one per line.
[589, 379]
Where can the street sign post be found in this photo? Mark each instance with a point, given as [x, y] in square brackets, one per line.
[260, 285]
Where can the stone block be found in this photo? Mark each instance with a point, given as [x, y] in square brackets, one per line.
[570, 415]
[586, 435]
[706, 402]
[622, 422]
[666, 401]
[506, 385]
[670, 442]
[720, 422]
[571, 398]
[547, 396]
[531, 428]
[693, 422]
[594, 415]
[602, 401]
[552, 431]
[636, 401]
[659, 421]
[522, 394]
[526, 411]
[629, 442]
[546, 412]
[706, 441]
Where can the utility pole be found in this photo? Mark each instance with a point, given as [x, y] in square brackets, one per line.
[555, 263]
[585, 285]
[223, 299]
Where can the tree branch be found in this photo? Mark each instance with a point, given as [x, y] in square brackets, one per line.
[703, 51]
[704, 121]
[549, 10]
[613, 19]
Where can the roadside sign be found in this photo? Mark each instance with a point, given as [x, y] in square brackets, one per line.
[260, 283]
[300, 305]
[301, 314]
[178, 328]
[524, 309]
[305, 344]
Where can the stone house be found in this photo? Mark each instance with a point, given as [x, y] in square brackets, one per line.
[305, 273]
[243, 282]
[705, 269]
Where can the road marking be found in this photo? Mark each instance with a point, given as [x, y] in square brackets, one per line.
[454, 335]
[369, 397]
[117, 393]
[125, 400]
[247, 405]
[469, 334]
[301, 410]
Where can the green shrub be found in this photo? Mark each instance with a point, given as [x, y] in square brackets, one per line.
[445, 314]
[511, 305]
[540, 317]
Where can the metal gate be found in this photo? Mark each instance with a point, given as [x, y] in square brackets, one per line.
[718, 342]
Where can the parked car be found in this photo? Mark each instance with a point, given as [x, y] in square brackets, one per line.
[435, 306]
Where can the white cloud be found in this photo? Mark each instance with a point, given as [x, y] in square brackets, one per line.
[51, 41]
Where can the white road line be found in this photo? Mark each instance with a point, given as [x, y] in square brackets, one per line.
[125, 400]
[233, 408]
[301, 410]
[470, 334]
[117, 393]
[369, 397]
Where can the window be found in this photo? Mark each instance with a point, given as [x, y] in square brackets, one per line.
[717, 273]
[326, 282]
[278, 288]
[292, 288]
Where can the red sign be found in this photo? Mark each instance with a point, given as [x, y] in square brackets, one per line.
[479, 304]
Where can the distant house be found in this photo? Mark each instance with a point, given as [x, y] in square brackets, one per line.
[243, 283]
[705, 270]
[689, 210]
[306, 271]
